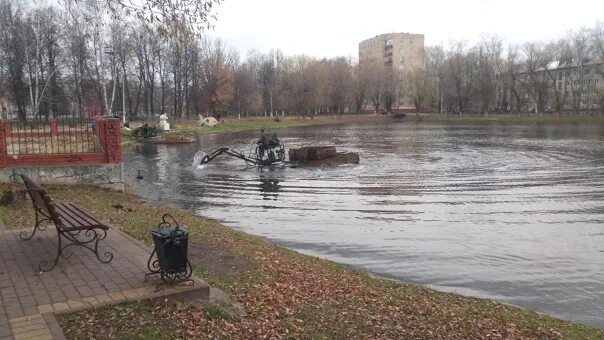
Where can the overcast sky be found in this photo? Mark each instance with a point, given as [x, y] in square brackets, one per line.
[327, 28]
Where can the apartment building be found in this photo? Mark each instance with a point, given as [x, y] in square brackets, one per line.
[570, 85]
[400, 52]
[580, 86]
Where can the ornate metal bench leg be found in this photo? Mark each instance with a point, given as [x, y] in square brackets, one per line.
[107, 255]
[92, 237]
[45, 266]
[86, 240]
[39, 226]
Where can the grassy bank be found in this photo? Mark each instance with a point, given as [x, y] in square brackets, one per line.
[285, 294]
[190, 128]
[233, 125]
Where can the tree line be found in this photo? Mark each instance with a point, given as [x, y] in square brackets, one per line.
[566, 74]
[74, 59]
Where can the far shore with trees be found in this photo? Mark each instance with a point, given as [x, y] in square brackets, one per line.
[73, 59]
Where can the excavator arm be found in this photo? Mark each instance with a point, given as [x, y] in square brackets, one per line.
[208, 158]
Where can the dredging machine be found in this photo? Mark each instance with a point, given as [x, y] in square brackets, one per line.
[270, 151]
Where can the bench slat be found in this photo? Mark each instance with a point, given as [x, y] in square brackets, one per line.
[78, 218]
[84, 215]
[66, 209]
[67, 221]
[86, 220]
[70, 221]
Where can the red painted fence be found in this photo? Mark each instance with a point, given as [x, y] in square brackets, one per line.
[106, 133]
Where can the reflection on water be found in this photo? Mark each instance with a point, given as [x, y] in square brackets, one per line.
[513, 213]
[269, 188]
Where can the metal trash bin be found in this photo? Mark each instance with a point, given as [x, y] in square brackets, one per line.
[169, 258]
[171, 248]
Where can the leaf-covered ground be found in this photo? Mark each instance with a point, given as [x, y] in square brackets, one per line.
[285, 294]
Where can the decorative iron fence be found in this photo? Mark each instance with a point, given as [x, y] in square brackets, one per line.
[63, 135]
[60, 142]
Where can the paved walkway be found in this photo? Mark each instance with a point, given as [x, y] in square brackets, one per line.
[29, 299]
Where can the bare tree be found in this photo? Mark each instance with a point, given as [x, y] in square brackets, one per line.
[535, 55]
[460, 70]
[97, 45]
[512, 79]
[360, 86]
[556, 56]
[339, 84]
[597, 42]
[76, 52]
[418, 87]
[12, 49]
[218, 63]
[391, 83]
[435, 60]
[488, 55]
[147, 51]
[267, 67]
[377, 83]
[580, 50]
[171, 16]
[247, 94]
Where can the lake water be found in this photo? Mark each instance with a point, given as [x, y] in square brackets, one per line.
[514, 213]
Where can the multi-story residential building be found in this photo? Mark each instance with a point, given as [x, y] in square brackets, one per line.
[579, 85]
[399, 52]
[402, 51]
[559, 86]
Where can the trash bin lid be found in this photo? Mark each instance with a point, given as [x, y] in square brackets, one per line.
[169, 232]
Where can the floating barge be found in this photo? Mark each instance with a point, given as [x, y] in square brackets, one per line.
[321, 155]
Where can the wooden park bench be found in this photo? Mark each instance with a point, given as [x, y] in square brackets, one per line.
[75, 227]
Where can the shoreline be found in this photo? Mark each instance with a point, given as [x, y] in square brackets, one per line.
[371, 274]
[435, 288]
[190, 129]
[284, 292]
